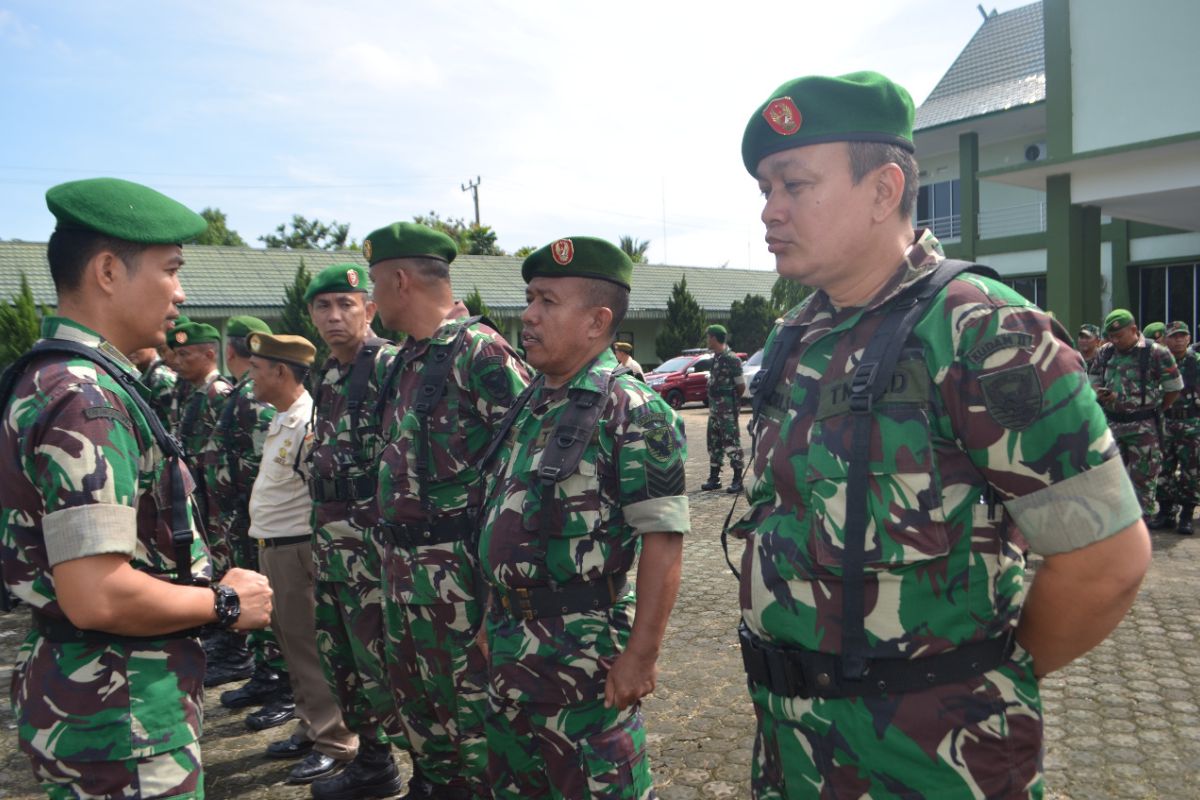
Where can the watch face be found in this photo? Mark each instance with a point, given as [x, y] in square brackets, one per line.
[227, 606]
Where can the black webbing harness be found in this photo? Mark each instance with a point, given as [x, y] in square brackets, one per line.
[339, 487]
[226, 434]
[1142, 413]
[1185, 406]
[181, 529]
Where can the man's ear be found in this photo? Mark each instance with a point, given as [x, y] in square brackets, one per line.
[601, 320]
[889, 191]
[105, 271]
[371, 308]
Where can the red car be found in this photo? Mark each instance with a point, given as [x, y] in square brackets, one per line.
[684, 378]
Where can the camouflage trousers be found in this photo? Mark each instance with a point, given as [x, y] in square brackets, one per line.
[575, 752]
[438, 676]
[1139, 446]
[350, 641]
[978, 739]
[1179, 481]
[724, 439]
[176, 775]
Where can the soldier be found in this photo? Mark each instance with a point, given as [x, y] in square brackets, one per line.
[1135, 380]
[160, 380]
[1155, 332]
[913, 435]
[1088, 341]
[232, 456]
[344, 458]
[452, 383]
[1179, 481]
[725, 389]
[590, 472]
[624, 353]
[96, 532]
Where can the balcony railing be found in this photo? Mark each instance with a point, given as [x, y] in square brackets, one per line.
[947, 227]
[1012, 221]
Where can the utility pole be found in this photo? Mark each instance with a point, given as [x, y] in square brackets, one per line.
[474, 189]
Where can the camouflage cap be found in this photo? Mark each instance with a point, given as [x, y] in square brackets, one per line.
[580, 257]
[193, 333]
[624, 347]
[1154, 330]
[857, 107]
[1178, 326]
[716, 330]
[123, 210]
[337, 278]
[283, 347]
[245, 325]
[408, 240]
[1117, 318]
[1088, 329]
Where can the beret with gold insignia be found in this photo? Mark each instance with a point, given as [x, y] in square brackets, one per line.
[857, 107]
[244, 325]
[337, 278]
[408, 240]
[123, 210]
[284, 347]
[580, 257]
[193, 333]
[1154, 330]
[1117, 318]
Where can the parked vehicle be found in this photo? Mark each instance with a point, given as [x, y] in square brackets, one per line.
[749, 371]
[684, 378]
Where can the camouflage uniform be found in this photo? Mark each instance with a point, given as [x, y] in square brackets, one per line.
[1179, 481]
[988, 404]
[95, 719]
[433, 603]
[197, 420]
[161, 380]
[1139, 440]
[350, 622]
[548, 731]
[724, 438]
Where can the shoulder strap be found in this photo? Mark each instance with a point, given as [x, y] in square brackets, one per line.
[510, 418]
[439, 361]
[360, 378]
[1144, 369]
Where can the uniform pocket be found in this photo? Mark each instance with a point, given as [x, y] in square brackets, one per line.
[615, 762]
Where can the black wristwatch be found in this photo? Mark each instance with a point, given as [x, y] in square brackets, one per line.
[226, 604]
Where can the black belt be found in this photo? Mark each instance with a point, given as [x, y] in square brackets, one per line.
[342, 489]
[1132, 416]
[453, 528]
[1182, 413]
[63, 631]
[791, 672]
[535, 602]
[280, 541]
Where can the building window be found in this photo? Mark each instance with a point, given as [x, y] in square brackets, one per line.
[1168, 293]
[1031, 287]
[937, 209]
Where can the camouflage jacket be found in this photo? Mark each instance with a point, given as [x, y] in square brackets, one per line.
[81, 475]
[341, 525]
[238, 438]
[630, 482]
[725, 375]
[485, 379]
[1122, 372]
[160, 380]
[987, 393]
[199, 414]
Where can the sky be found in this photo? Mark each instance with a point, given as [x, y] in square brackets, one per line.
[604, 119]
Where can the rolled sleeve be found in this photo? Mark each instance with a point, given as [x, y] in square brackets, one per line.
[91, 530]
[658, 515]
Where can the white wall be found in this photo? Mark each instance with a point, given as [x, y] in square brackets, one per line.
[1025, 262]
[1153, 248]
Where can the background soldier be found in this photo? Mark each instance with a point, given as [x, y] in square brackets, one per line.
[1179, 481]
[453, 381]
[563, 522]
[107, 689]
[866, 671]
[624, 353]
[160, 380]
[725, 389]
[1135, 380]
[1155, 332]
[1088, 342]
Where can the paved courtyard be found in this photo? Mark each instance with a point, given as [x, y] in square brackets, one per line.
[1121, 723]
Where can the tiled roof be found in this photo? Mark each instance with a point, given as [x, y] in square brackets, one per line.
[221, 281]
[1003, 66]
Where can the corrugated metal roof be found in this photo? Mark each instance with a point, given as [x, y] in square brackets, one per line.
[220, 281]
[1003, 66]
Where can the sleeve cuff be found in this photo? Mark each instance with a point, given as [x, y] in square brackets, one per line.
[1079, 511]
[658, 515]
[91, 530]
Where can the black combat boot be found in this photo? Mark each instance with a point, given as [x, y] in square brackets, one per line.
[735, 485]
[372, 773]
[1165, 519]
[264, 686]
[1185, 520]
[235, 664]
[714, 479]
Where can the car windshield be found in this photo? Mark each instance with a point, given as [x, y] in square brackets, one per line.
[755, 360]
[674, 364]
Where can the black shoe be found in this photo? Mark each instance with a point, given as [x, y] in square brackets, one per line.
[1185, 520]
[237, 668]
[1165, 520]
[368, 775]
[714, 480]
[291, 747]
[315, 765]
[735, 485]
[266, 685]
[271, 715]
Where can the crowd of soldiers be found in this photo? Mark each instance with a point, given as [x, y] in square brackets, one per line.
[442, 535]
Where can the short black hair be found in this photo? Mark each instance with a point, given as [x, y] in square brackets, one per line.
[238, 345]
[71, 249]
[430, 269]
[720, 337]
[866, 157]
[298, 372]
[610, 295]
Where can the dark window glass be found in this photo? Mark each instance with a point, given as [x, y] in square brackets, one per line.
[1181, 294]
[1153, 282]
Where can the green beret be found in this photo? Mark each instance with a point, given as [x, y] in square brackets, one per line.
[283, 347]
[858, 107]
[580, 257]
[1088, 329]
[1154, 330]
[123, 210]
[408, 240]
[245, 325]
[716, 330]
[1178, 326]
[193, 333]
[1118, 318]
[338, 278]
[182, 319]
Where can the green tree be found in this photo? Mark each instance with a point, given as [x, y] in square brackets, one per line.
[635, 249]
[218, 232]
[685, 323]
[750, 320]
[309, 235]
[385, 333]
[20, 324]
[474, 303]
[295, 318]
[472, 239]
[525, 251]
[786, 294]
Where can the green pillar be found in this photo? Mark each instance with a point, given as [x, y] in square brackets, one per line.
[1124, 291]
[968, 193]
[1090, 294]
[1072, 256]
[1056, 43]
